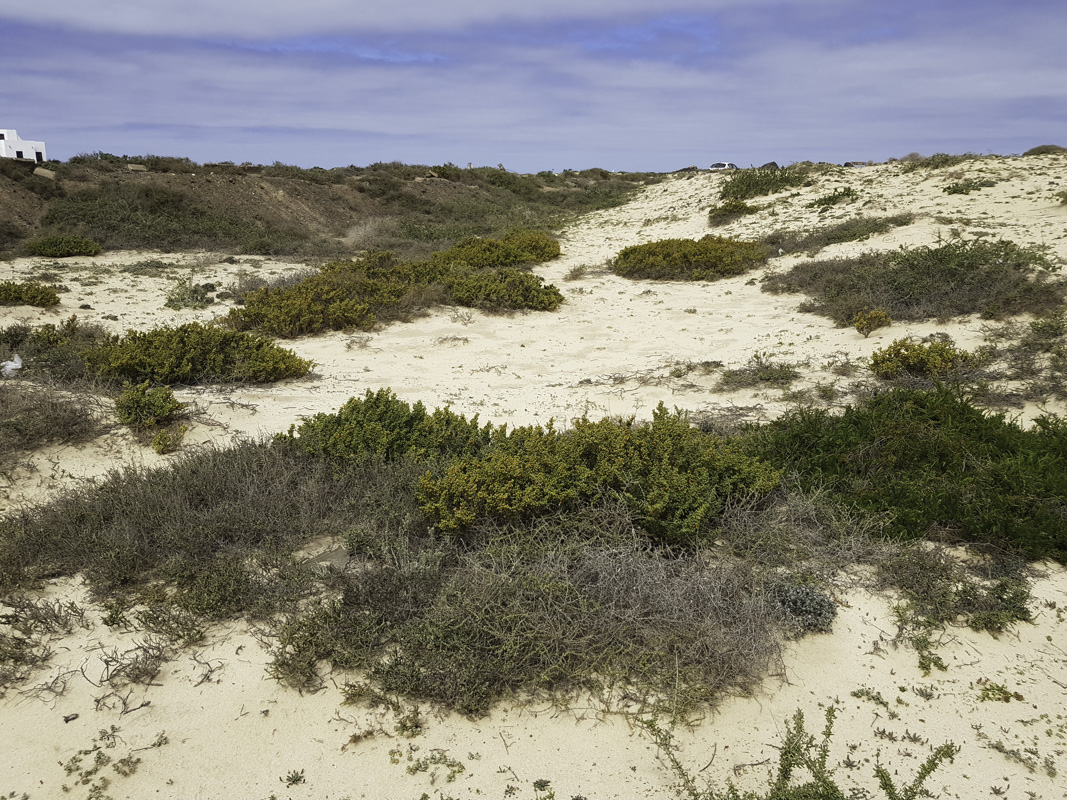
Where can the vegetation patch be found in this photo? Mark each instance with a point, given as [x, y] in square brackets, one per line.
[936, 161]
[852, 230]
[932, 461]
[870, 320]
[61, 246]
[32, 416]
[27, 294]
[842, 194]
[761, 370]
[729, 211]
[968, 186]
[479, 273]
[706, 259]
[747, 183]
[193, 353]
[991, 278]
[918, 359]
[140, 406]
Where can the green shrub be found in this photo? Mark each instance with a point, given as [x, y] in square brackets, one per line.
[186, 294]
[868, 321]
[1045, 149]
[746, 183]
[851, 230]
[504, 290]
[674, 479]
[839, 195]
[932, 460]
[381, 425]
[193, 353]
[359, 294]
[917, 359]
[27, 294]
[761, 370]
[968, 186]
[58, 246]
[991, 278]
[937, 161]
[730, 210]
[143, 407]
[168, 440]
[706, 259]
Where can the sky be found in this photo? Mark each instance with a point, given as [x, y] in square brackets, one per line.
[627, 85]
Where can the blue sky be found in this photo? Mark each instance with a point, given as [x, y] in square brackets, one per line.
[542, 84]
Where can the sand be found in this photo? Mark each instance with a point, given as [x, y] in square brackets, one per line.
[616, 347]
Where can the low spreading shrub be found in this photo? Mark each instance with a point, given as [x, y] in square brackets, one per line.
[193, 353]
[839, 195]
[381, 425]
[706, 259]
[917, 359]
[59, 246]
[730, 210]
[27, 294]
[930, 460]
[1045, 149]
[746, 183]
[968, 186]
[143, 407]
[937, 161]
[673, 478]
[990, 278]
[851, 230]
[479, 273]
[32, 416]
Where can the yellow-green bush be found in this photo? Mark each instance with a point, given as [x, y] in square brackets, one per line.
[674, 478]
[61, 246]
[706, 259]
[504, 290]
[918, 359]
[381, 425]
[27, 294]
[868, 321]
[143, 407]
[193, 353]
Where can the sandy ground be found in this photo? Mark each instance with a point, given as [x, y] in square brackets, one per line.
[616, 347]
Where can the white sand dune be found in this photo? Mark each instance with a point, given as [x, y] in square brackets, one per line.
[616, 347]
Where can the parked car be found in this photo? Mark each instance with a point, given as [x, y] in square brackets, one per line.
[721, 165]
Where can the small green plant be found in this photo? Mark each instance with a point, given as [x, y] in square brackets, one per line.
[61, 247]
[799, 751]
[730, 210]
[169, 439]
[838, 195]
[706, 259]
[193, 353]
[917, 359]
[868, 321]
[747, 183]
[27, 294]
[968, 186]
[294, 778]
[143, 407]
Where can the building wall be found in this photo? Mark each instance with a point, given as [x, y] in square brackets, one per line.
[11, 145]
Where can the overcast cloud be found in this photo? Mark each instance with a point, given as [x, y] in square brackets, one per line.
[545, 84]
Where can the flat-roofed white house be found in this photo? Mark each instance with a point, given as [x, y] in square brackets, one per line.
[11, 146]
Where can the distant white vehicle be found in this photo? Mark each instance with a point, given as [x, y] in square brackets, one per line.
[721, 165]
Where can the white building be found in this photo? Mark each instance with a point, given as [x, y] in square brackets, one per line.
[11, 146]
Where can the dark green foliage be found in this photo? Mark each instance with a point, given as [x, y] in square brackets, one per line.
[730, 210]
[930, 459]
[968, 186]
[991, 278]
[27, 294]
[193, 353]
[135, 216]
[937, 161]
[358, 294]
[746, 183]
[917, 359]
[852, 230]
[143, 407]
[381, 425]
[673, 478]
[839, 195]
[1045, 149]
[706, 259]
[61, 246]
